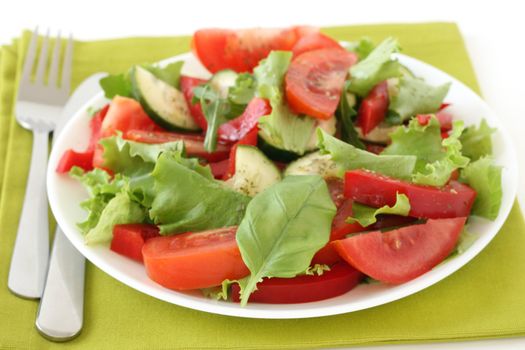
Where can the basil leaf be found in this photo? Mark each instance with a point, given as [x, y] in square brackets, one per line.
[283, 228]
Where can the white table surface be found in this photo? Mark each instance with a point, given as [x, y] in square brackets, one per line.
[493, 32]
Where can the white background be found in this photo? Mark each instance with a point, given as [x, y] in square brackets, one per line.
[494, 32]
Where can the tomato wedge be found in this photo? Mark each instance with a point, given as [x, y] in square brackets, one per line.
[315, 79]
[373, 108]
[241, 50]
[400, 255]
[194, 260]
[314, 41]
[452, 200]
[84, 159]
[237, 128]
[444, 119]
[186, 85]
[129, 239]
[193, 143]
[126, 114]
[303, 289]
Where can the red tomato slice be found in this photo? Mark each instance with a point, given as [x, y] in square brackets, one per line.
[303, 289]
[72, 158]
[444, 119]
[194, 260]
[401, 255]
[249, 139]
[84, 159]
[452, 200]
[193, 143]
[315, 79]
[186, 85]
[241, 50]
[373, 108]
[219, 169]
[314, 41]
[336, 189]
[129, 239]
[237, 128]
[126, 114]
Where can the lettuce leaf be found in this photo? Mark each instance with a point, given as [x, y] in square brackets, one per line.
[350, 158]
[375, 68]
[270, 74]
[366, 216]
[485, 177]
[362, 47]
[243, 90]
[118, 210]
[186, 200]
[477, 142]
[283, 228]
[414, 96]
[436, 158]
[170, 73]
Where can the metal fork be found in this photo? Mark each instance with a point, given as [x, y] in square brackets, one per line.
[38, 108]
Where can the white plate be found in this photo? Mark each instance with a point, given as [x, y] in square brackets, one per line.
[65, 195]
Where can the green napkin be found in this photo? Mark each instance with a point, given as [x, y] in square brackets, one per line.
[486, 298]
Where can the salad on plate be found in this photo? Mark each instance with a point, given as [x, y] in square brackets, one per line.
[300, 169]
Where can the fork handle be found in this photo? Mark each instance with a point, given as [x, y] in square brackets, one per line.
[31, 252]
[61, 309]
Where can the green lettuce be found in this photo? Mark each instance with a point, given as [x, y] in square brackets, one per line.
[243, 90]
[485, 177]
[477, 142]
[437, 158]
[414, 96]
[186, 200]
[283, 228]
[362, 47]
[270, 74]
[119, 210]
[375, 68]
[350, 158]
[366, 216]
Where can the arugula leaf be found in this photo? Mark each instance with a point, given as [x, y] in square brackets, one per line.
[244, 89]
[283, 228]
[350, 158]
[477, 142]
[185, 200]
[346, 114]
[417, 97]
[375, 68]
[366, 216]
[362, 47]
[485, 177]
[119, 210]
[114, 85]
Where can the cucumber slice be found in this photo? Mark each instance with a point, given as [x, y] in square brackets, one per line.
[162, 102]
[254, 172]
[314, 164]
[270, 148]
[222, 81]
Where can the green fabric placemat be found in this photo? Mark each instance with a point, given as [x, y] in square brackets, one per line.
[486, 298]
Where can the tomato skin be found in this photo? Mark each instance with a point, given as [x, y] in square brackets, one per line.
[84, 160]
[403, 254]
[336, 189]
[71, 158]
[126, 114]
[219, 169]
[452, 200]
[303, 289]
[194, 144]
[237, 128]
[373, 108]
[242, 49]
[249, 139]
[129, 239]
[195, 259]
[315, 79]
[186, 85]
[314, 41]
